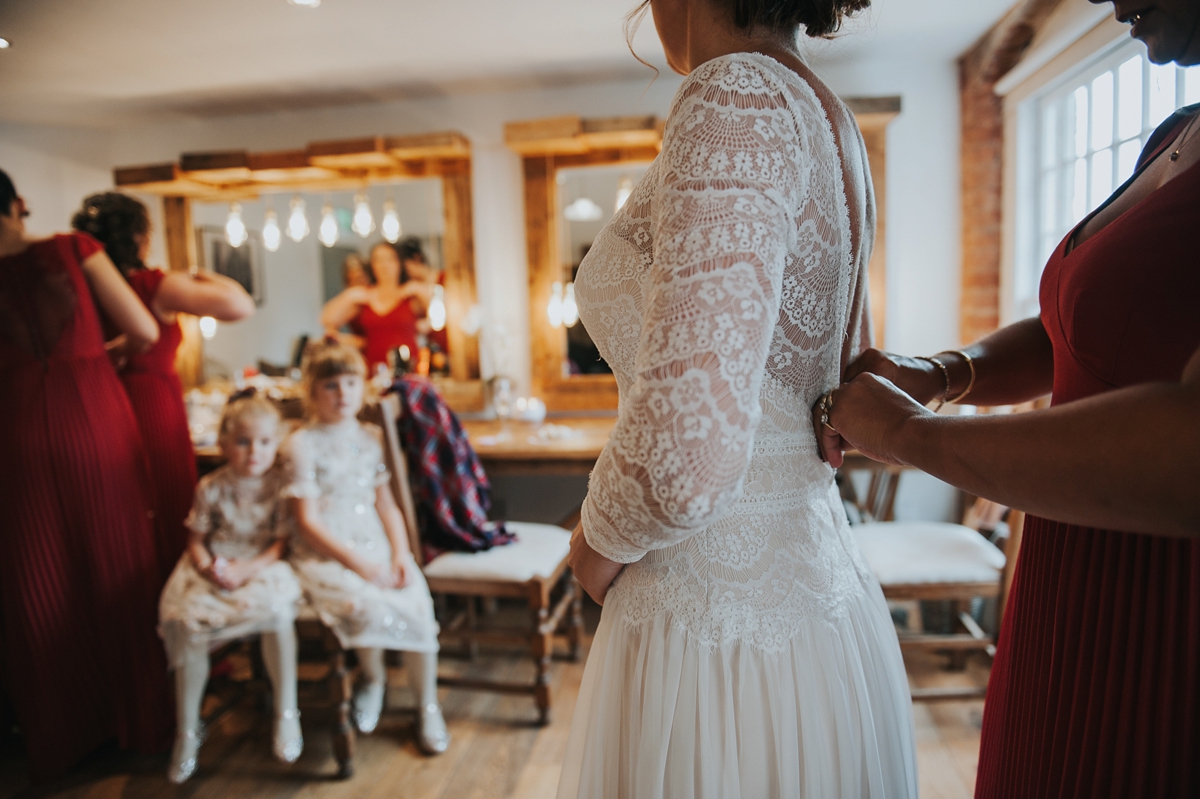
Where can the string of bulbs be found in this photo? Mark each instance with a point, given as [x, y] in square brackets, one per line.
[297, 227]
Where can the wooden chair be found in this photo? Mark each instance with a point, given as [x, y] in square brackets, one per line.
[533, 569]
[937, 561]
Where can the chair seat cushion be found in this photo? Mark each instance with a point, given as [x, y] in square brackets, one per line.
[537, 552]
[920, 553]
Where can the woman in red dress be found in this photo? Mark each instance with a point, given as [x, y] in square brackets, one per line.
[122, 225]
[79, 574]
[386, 315]
[1095, 691]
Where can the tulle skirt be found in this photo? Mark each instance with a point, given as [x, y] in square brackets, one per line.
[661, 714]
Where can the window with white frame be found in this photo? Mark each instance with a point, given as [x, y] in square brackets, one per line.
[1087, 133]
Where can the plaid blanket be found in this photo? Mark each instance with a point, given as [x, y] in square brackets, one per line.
[451, 490]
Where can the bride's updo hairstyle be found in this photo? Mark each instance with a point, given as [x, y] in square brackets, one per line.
[819, 17]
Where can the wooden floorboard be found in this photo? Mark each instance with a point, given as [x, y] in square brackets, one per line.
[497, 752]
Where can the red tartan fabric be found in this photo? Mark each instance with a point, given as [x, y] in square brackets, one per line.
[450, 487]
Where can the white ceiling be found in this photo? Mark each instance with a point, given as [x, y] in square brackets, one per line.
[117, 63]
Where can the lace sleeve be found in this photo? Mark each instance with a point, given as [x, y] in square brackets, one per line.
[731, 168]
[203, 518]
[299, 468]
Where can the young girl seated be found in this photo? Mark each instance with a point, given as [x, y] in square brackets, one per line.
[351, 550]
[232, 581]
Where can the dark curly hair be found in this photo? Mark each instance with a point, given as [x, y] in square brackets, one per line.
[116, 221]
[8, 193]
[820, 18]
[409, 249]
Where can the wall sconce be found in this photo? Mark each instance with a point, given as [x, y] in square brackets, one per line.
[328, 232]
[554, 309]
[570, 311]
[363, 222]
[391, 222]
[437, 309]
[271, 234]
[235, 228]
[297, 227]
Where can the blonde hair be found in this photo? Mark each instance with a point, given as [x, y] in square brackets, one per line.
[247, 406]
[327, 359]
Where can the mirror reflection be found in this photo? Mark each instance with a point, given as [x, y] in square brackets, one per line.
[588, 197]
[364, 264]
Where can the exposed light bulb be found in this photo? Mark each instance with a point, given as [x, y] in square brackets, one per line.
[570, 311]
[297, 226]
[271, 234]
[390, 226]
[554, 309]
[328, 232]
[624, 189]
[583, 210]
[235, 228]
[305, 3]
[364, 221]
[208, 326]
[437, 309]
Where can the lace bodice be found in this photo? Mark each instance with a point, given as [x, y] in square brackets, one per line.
[340, 466]
[237, 515]
[726, 295]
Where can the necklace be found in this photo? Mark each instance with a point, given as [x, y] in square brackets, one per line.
[1183, 138]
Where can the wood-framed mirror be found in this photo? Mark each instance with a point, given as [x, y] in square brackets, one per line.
[566, 159]
[435, 169]
[574, 170]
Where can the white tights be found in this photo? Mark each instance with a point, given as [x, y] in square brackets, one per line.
[422, 671]
[279, 656]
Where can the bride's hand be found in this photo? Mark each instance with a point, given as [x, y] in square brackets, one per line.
[594, 571]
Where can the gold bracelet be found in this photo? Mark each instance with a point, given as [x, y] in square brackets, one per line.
[970, 383]
[945, 376]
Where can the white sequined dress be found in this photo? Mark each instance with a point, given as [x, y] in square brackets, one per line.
[746, 650]
[239, 518]
[340, 466]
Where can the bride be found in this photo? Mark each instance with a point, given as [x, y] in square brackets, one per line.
[744, 649]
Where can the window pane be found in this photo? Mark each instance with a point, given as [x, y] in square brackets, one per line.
[1079, 198]
[1129, 98]
[1050, 135]
[1080, 121]
[1191, 92]
[1102, 111]
[1102, 177]
[1162, 93]
[1049, 207]
[1127, 159]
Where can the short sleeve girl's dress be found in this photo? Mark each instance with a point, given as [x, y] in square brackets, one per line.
[157, 397]
[1095, 691]
[340, 466]
[239, 518]
[79, 573]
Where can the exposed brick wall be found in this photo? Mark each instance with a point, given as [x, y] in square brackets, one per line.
[983, 160]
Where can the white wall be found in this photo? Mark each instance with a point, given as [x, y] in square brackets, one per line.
[54, 169]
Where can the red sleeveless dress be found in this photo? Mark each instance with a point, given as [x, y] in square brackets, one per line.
[79, 575]
[157, 397]
[387, 331]
[1095, 691]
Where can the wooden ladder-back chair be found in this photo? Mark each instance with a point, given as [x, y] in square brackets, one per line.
[938, 561]
[533, 568]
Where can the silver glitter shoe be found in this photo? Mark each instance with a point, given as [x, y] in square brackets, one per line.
[432, 736]
[183, 755]
[368, 704]
[289, 742]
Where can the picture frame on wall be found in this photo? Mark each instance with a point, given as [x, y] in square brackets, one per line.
[243, 264]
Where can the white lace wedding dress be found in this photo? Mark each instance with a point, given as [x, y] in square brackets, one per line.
[746, 650]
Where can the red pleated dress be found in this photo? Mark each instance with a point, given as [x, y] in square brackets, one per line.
[1095, 691]
[156, 394]
[385, 332]
[79, 572]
